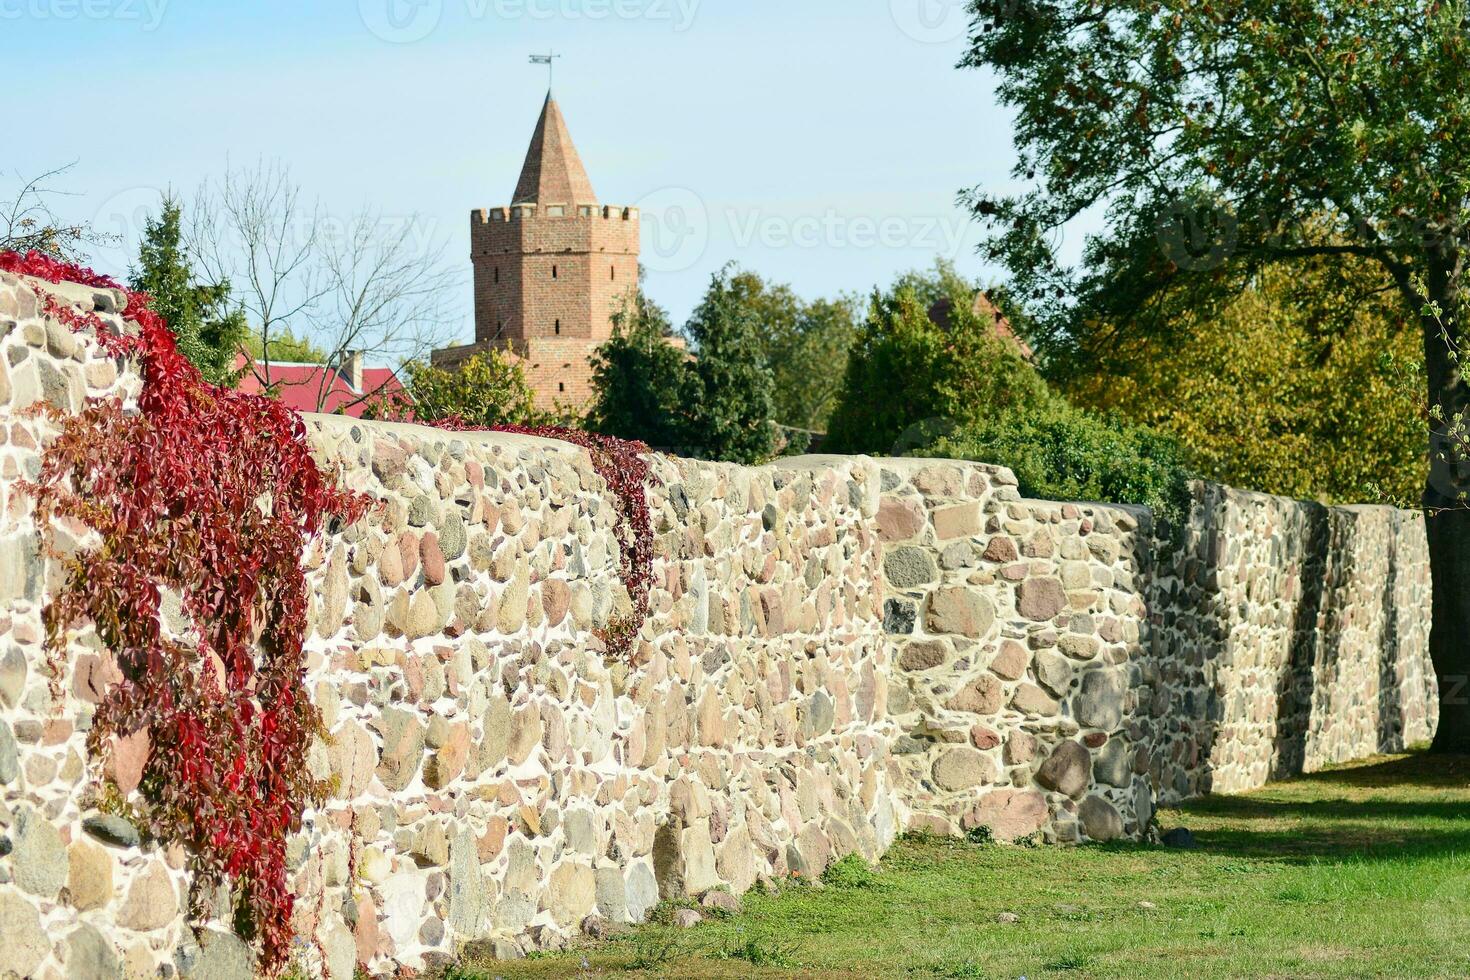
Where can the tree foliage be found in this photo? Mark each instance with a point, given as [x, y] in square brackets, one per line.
[286, 347]
[714, 404]
[207, 330]
[909, 377]
[1299, 386]
[641, 380]
[1221, 138]
[1059, 452]
[486, 391]
[802, 341]
[732, 386]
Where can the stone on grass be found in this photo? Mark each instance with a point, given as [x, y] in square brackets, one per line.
[1181, 838]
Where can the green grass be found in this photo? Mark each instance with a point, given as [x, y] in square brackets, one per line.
[1362, 871]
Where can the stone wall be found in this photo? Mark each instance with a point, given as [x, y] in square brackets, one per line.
[839, 649]
[1063, 669]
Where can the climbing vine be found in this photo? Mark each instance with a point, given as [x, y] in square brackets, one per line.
[210, 496]
[623, 464]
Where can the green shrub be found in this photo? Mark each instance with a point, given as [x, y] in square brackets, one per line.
[908, 376]
[1066, 453]
[850, 872]
[981, 835]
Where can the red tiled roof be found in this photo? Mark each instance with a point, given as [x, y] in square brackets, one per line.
[984, 310]
[304, 387]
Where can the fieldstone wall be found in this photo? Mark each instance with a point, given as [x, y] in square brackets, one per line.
[839, 649]
[499, 778]
[1063, 669]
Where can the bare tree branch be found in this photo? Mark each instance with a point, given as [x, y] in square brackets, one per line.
[27, 222]
[366, 284]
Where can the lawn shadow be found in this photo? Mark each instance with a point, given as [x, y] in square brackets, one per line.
[1293, 822]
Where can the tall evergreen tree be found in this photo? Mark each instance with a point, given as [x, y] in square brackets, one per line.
[641, 380]
[732, 384]
[208, 332]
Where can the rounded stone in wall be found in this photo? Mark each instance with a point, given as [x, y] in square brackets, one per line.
[963, 768]
[1099, 703]
[1100, 819]
[1068, 770]
[960, 611]
[23, 943]
[909, 567]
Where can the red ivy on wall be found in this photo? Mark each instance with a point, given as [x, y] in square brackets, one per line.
[623, 464]
[211, 495]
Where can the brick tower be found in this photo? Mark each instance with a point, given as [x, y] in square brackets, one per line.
[550, 270]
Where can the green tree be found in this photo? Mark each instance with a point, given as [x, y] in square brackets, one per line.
[1295, 387]
[207, 330]
[285, 347]
[802, 341]
[713, 403]
[642, 381]
[733, 405]
[910, 378]
[487, 390]
[1218, 139]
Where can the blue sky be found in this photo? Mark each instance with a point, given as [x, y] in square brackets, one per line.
[818, 142]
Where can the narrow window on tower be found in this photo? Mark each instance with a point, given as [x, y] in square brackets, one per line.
[553, 272]
[497, 273]
[558, 328]
[561, 386]
[615, 273]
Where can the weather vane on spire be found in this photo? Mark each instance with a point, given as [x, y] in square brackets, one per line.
[549, 60]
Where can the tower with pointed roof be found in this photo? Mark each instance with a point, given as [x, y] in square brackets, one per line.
[550, 269]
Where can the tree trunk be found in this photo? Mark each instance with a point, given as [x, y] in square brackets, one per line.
[1447, 510]
[1449, 638]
